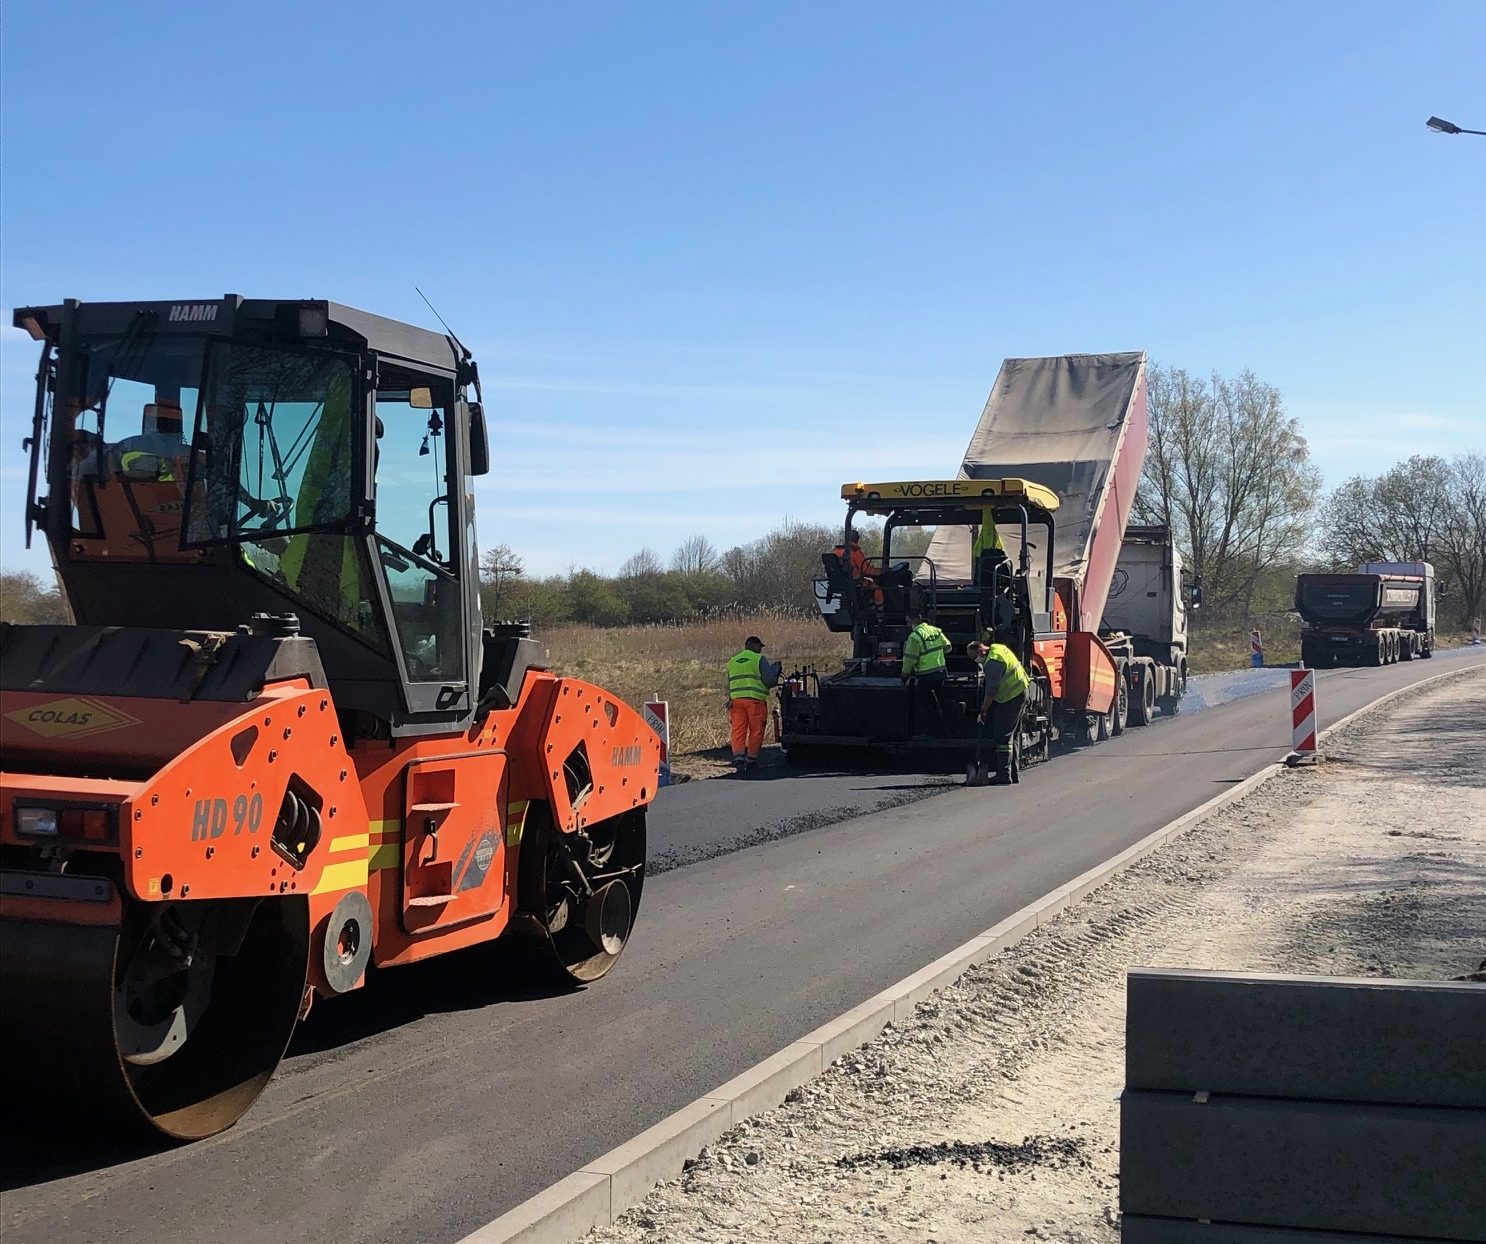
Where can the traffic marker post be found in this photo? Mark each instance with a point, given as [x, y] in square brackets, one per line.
[1256, 649]
[1475, 630]
[1302, 718]
[658, 718]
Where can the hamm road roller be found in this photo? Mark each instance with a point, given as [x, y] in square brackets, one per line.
[277, 747]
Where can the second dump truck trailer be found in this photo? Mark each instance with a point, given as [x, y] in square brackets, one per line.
[1381, 614]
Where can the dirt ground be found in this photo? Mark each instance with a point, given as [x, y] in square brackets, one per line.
[992, 1115]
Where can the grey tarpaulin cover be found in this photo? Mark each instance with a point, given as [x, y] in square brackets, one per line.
[1058, 422]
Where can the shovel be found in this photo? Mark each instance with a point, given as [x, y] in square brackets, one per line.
[977, 772]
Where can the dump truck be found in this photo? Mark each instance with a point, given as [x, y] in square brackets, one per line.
[1099, 620]
[278, 750]
[1382, 613]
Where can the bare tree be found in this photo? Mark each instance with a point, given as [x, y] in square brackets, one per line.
[1229, 472]
[696, 555]
[779, 569]
[645, 564]
[1400, 515]
[27, 598]
[1425, 509]
[500, 568]
[1464, 536]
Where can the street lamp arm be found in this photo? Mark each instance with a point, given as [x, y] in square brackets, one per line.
[1440, 126]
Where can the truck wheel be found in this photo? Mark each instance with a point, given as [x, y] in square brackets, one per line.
[1406, 646]
[1120, 709]
[1143, 701]
[1380, 657]
[1090, 728]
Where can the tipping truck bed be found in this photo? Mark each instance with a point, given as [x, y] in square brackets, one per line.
[1076, 424]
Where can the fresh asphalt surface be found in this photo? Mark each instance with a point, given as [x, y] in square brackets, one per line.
[429, 1103]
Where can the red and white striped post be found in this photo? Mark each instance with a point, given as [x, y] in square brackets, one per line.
[658, 718]
[1475, 630]
[1302, 717]
[1256, 649]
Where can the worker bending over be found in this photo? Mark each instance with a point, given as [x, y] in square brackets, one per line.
[924, 670]
[1006, 685]
[750, 675]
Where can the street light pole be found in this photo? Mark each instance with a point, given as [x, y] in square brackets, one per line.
[1440, 126]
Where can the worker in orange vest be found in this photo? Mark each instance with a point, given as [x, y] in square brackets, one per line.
[858, 567]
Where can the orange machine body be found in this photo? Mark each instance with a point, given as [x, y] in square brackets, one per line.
[429, 828]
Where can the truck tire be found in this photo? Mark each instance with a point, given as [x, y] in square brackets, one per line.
[1143, 698]
[1120, 709]
[1380, 657]
[1407, 641]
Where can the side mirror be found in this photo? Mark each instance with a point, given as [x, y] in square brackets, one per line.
[1195, 595]
[479, 443]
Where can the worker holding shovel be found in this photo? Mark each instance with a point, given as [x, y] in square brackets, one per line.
[1006, 684]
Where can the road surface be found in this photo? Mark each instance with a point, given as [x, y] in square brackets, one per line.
[422, 1108]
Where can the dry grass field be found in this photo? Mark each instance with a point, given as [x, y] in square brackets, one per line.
[684, 666]
[1226, 647]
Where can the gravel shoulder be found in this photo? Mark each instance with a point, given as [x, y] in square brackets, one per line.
[992, 1114]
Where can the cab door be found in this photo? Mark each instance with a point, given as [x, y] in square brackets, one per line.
[421, 534]
[454, 851]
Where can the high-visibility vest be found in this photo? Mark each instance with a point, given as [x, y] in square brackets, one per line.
[143, 460]
[923, 651]
[1014, 680]
[988, 538]
[745, 679]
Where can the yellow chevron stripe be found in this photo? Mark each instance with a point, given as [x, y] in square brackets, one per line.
[385, 829]
[351, 842]
[349, 875]
[515, 826]
[388, 855]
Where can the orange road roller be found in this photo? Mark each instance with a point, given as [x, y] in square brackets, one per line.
[278, 747]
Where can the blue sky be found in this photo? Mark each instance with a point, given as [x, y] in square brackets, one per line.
[715, 260]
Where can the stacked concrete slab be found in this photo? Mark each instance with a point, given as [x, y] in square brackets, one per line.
[1268, 1109]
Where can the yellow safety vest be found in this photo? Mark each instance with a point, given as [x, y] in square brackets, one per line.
[923, 651]
[745, 679]
[988, 538]
[137, 459]
[1014, 681]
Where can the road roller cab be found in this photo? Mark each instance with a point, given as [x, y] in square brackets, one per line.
[278, 746]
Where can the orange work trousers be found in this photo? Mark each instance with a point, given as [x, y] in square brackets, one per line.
[747, 720]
